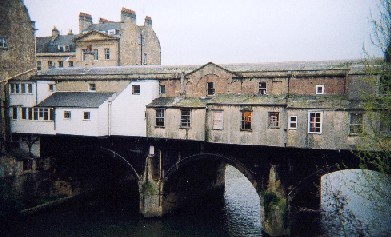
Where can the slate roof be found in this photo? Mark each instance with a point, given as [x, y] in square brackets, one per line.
[106, 26]
[46, 45]
[234, 68]
[75, 99]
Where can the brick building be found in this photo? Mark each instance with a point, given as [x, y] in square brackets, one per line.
[105, 43]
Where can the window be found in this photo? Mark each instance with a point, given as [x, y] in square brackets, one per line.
[385, 123]
[315, 122]
[87, 116]
[50, 64]
[107, 54]
[292, 122]
[111, 32]
[145, 61]
[3, 42]
[52, 88]
[96, 55]
[14, 113]
[185, 118]
[135, 89]
[17, 88]
[70, 63]
[274, 119]
[83, 54]
[23, 88]
[162, 89]
[30, 88]
[211, 90]
[217, 120]
[319, 89]
[39, 65]
[159, 117]
[60, 64]
[43, 114]
[24, 113]
[245, 122]
[12, 88]
[356, 123]
[91, 87]
[67, 115]
[262, 88]
[30, 113]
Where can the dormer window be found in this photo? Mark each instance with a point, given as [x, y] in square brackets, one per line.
[319, 89]
[111, 32]
[211, 89]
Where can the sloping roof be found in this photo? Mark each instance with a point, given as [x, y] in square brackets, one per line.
[234, 68]
[75, 99]
[105, 26]
[46, 45]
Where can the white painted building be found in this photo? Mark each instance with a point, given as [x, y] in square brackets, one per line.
[129, 108]
[38, 109]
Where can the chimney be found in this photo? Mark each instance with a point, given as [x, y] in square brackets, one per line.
[55, 33]
[128, 15]
[70, 32]
[85, 21]
[148, 21]
[103, 20]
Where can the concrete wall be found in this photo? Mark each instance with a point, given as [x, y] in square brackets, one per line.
[128, 110]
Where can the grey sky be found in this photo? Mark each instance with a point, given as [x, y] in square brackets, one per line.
[231, 31]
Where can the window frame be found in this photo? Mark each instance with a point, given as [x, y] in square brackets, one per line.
[70, 64]
[107, 53]
[317, 87]
[51, 88]
[15, 113]
[3, 42]
[353, 126]
[96, 54]
[291, 122]
[162, 89]
[185, 118]
[246, 120]
[210, 90]
[136, 89]
[39, 65]
[320, 122]
[60, 64]
[262, 90]
[92, 87]
[67, 115]
[160, 117]
[272, 122]
[218, 124]
[86, 115]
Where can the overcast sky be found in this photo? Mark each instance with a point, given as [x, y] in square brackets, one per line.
[230, 31]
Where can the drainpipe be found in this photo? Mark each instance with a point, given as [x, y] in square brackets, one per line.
[109, 117]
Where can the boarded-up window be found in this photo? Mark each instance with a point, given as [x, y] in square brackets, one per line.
[218, 119]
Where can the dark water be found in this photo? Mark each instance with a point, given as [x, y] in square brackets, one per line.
[111, 214]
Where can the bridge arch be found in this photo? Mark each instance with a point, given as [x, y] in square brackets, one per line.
[183, 162]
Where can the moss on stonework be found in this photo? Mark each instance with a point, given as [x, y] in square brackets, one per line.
[149, 188]
[272, 200]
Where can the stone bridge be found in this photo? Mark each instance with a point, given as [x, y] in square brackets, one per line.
[172, 173]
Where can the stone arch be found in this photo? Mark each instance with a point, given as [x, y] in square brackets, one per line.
[248, 173]
[110, 153]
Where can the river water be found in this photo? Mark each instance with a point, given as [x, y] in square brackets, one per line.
[111, 214]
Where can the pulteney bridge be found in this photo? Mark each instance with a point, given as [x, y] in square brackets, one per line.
[173, 173]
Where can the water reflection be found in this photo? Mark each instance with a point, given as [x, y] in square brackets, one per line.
[111, 214]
